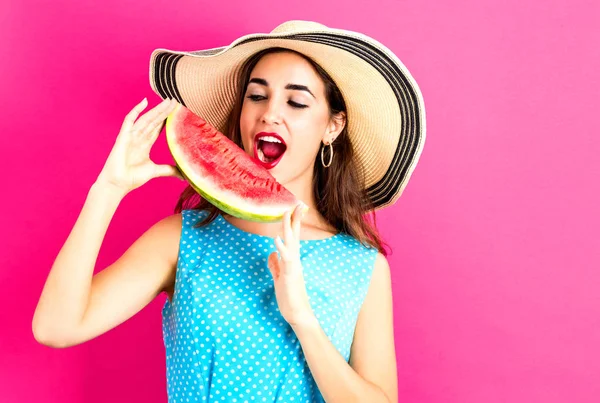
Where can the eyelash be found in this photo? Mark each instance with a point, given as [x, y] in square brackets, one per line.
[255, 98]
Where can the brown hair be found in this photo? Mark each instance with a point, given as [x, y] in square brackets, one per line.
[338, 189]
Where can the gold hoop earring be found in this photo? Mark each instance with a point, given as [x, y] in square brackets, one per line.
[330, 155]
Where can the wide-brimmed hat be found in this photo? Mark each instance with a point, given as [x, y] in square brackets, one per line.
[385, 107]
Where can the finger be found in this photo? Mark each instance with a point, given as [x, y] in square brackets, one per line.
[166, 170]
[296, 220]
[283, 252]
[180, 174]
[156, 125]
[142, 124]
[148, 123]
[133, 114]
[273, 265]
[153, 135]
[288, 235]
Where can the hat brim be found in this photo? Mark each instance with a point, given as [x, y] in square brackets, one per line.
[386, 113]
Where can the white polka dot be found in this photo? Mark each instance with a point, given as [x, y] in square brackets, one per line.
[222, 279]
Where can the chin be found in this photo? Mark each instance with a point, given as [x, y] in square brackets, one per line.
[278, 173]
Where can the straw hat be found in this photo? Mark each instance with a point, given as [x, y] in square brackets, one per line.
[386, 112]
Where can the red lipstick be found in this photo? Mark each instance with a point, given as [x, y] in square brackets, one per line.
[270, 164]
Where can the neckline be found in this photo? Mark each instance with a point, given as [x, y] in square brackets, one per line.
[265, 237]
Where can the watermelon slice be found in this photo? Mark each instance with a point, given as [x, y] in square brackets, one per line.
[222, 172]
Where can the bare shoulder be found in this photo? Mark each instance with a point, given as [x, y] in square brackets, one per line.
[379, 292]
[381, 271]
[170, 225]
[373, 353]
[122, 289]
[168, 230]
[152, 257]
[154, 254]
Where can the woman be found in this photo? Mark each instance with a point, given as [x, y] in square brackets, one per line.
[299, 310]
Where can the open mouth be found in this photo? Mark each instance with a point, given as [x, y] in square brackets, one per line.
[268, 149]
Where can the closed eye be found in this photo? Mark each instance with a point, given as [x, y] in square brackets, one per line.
[257, 98]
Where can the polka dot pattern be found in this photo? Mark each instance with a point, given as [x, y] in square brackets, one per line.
[225, 339]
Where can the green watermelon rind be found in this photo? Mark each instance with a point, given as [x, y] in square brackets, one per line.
[227, 208]
[240, 213]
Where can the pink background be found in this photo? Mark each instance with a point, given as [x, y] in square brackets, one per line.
[495, 270]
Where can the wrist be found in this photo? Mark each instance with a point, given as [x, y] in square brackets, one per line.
[107, 189]
[307, 323]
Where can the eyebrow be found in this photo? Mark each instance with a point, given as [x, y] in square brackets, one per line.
[298, 87]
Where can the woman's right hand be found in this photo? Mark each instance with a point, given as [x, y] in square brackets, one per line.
[128, 165]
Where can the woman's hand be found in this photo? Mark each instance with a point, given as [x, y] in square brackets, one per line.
[286, 270]
[128, 165]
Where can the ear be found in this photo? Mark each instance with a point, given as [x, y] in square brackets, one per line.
[335, 127]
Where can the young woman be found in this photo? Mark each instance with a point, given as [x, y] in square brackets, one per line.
[299, 310]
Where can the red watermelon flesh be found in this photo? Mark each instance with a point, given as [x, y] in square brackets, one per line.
[222, 172]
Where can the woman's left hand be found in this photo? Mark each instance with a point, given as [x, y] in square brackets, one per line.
[287, 272]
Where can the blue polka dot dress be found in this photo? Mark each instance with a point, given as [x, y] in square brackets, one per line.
[224, 337]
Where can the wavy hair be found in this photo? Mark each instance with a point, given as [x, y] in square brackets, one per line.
[338, 189]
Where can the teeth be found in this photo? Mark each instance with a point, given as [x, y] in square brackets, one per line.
[270, 139]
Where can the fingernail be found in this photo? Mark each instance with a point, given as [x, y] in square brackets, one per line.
[303, 208]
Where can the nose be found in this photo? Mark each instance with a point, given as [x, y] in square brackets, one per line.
[272, 113]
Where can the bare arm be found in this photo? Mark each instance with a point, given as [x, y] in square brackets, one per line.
[66, 291]
[75, 305]
[370, 374]
[373, 351]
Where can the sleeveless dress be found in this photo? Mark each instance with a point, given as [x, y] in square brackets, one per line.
[224, 337]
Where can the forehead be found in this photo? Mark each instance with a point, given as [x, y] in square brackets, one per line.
[283, 68]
